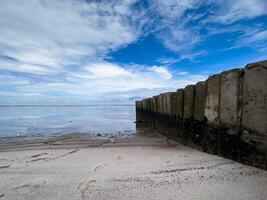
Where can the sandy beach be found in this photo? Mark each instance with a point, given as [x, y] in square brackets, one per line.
[144, 167]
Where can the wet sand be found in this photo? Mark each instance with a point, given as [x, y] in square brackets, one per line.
[144, 167]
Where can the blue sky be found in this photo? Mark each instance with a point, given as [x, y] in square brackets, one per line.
[82, 52]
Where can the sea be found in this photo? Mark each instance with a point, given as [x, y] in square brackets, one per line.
[53, 120]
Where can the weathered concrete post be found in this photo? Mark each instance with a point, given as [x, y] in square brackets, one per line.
[164, 115]
[171, 99]
[154, 100]
[189, 93]
[254, 115]
[225, 115]
[151, 114]
[230, 113]
[180, 114]
[157, 113]
[199, 121]
[160, 114]
[212, 107]
[137, 111]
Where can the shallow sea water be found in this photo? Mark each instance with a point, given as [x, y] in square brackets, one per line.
[47, 121]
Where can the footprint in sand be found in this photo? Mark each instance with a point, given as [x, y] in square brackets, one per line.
[4, 166]
[26, 186]
[51, 158]
[119, 157]
[39, 154]
[98, 167]
[86, 188]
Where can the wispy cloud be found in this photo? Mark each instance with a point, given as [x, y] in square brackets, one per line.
[162, 71]
[184, 25]
[54, 49]
[233, 10]
[55, 34]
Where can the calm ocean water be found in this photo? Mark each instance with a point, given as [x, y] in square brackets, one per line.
[46, 121]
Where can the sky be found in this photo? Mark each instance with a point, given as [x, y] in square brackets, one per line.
[115, 52]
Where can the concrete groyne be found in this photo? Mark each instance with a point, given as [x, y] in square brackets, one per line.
[225, 115]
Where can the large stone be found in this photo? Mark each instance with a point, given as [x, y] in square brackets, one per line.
[212, 103]
[199, 100]
[189, 92]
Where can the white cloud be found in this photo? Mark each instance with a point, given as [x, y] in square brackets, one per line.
[179, 39]
[62, 45]
[171, 26]
[254, 37]
[105, 80]
[105, 70]
[173, 9]
[234, 10]
[162, 71]
[10, 80]
[54, 34]
[174, 24]
[24, 67]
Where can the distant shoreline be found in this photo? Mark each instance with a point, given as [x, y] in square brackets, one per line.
[66, 105]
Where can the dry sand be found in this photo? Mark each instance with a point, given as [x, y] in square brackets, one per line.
[138, 168]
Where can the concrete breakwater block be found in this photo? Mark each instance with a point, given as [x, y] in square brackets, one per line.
[169, 104]
[166, 107]
[254, 115]
[230, 113]
[160, 116]
[150, 114]
[157, 112]
[169, 128]
[212, 107]
[174, 112]
[199, 121]
[188, 131]
[137, 111]
[224, 115]
[179, 115]
[145, 113]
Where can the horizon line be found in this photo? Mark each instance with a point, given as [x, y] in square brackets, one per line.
[43, 105]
